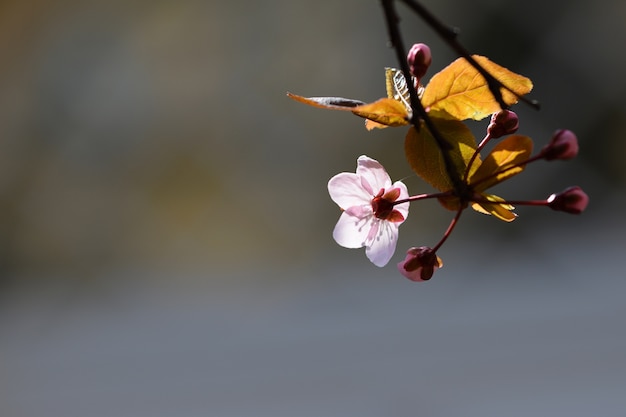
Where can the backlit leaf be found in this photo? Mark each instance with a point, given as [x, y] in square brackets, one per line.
[386, 111]
[381, 113]
[507, 153]
[501, 211]
[451, 202]
[460, 91]
[424, 154]
[370, 124]
[332, 103]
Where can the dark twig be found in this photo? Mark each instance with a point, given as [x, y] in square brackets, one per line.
[419, 113]
[449, 35]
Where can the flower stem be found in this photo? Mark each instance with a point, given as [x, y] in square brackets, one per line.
[449, 230]
[423, 197]
[512, 202]
[480, 147]
[519, 164]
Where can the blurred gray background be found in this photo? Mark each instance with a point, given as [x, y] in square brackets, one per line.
[165, 230]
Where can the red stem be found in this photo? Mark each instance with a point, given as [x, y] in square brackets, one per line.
[423, 197]
[519, 164]
[449, 229]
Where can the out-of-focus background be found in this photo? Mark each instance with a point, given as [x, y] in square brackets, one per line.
[165, 230]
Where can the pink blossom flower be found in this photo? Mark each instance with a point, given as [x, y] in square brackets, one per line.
[370, 216]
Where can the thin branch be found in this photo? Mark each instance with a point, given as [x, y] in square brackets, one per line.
[419, 113]
[449, 35]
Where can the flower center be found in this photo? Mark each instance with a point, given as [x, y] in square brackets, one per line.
[383, 203]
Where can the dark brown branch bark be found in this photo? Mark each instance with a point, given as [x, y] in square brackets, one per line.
[419, 113]
[449, 35]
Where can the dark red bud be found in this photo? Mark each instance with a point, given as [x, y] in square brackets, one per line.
[563, 145]
[504, 122]
[571, 200]
[420, 264]
[419, 60]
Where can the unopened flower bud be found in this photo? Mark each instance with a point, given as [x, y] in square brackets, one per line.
[420, 264]
[571, 200]
[504, 122]
[419, 60]
[563, 145]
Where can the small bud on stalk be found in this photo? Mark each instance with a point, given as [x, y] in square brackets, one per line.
[572, 200]
[420, 264]
[504, 122]
[563, 145]
[419, 60]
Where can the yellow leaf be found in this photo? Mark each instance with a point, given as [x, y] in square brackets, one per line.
[452, 203]
[461, 92]
[424, 154]
[381, 113]
[386, 111]
[370, 124]
[397, 90]
[506, 154]
[501, 211]
[331, 103]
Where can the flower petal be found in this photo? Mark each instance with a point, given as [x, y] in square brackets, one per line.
[404, 194]
[351, 231]
[380, 250]
[374, 173]
[345, 190]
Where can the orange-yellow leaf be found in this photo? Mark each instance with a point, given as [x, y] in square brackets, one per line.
[370, 124]
[397, 90]
[424, 154]
[501, 211]
[381, 113]
[451, 202]
[502, 160]
[386, 111]
[332, 103]
[462, 93]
